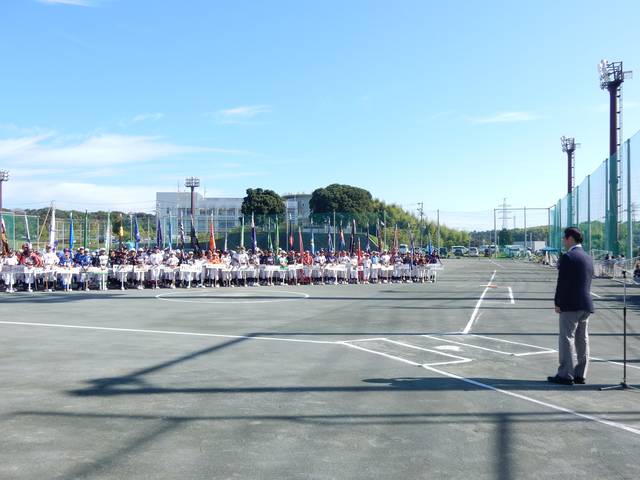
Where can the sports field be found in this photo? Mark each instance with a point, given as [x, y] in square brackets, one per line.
[392, 381]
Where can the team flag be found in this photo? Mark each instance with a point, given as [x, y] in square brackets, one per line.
[170, 235]
[52, 228]
[180, 233]
[379, 236]
[290, 233]
[121, 232]
[3, 237]
[254, 238]
[313, 242]
[330, 240]
[136, 232]
[359, 252]
[269, 239]
[300, 244]
[352, 241]
[159, 239]
[194, 236]
[367, 247]
[277, 235]
[396, 245]
[242, 232]
[72, 239]
[26, 230]
[107, 233]
[85, 232]
[212, 237]
[341, 235]
[225, 242]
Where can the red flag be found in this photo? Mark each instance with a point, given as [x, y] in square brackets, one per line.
[300, 243]
[359, 252]
[212, 238]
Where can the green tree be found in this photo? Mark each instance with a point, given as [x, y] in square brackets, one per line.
[505, 237]
[341, 198]
[262, 202]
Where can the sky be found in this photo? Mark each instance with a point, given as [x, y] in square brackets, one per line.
[454, 104]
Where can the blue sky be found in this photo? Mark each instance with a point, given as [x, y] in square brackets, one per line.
[456, 104]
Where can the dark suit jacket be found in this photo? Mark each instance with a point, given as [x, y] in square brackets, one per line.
[573, 291]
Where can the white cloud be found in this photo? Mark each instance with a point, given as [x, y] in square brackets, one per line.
[143, 117]
[100, 150]
[77, 3]
[81, 195]
[506, 117]
[239, 114]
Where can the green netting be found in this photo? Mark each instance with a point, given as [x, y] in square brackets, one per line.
[605, 206]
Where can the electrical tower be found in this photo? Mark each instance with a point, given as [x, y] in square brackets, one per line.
[504, 214]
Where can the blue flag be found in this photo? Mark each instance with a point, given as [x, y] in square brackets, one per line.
[170, 234]
[330, 241]
[72, 239]
[136, 232]
[159, 239]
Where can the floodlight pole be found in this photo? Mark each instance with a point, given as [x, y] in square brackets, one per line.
[192, 183]
[569, 146]
[612, 76]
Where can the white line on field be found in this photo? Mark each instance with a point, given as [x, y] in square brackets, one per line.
[596, 295]
[496, 263]
[552, 406]
[511, 296]
[467, 328]
[167, 332]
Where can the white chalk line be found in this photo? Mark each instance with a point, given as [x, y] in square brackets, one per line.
[585, 416]
[496, 263]
[501, 352]
[595, 295]
[404, 360]
[511, 296]
[351, 345]
[467, 328]
[167, 332]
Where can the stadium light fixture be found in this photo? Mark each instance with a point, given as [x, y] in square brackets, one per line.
[4, 177]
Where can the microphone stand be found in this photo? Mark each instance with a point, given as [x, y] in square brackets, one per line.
[623, 385]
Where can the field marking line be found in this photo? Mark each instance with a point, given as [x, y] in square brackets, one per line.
[467, 328]
[596, 295]
[511, 296]
[469, 345]
[404, 360]
[415, 347]
[585, 416]
[167, 332]
[549, 350]
[496, 263]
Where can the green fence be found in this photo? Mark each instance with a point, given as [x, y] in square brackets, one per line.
[605, 206]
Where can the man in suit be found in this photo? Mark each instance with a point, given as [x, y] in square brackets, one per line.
[574, 304]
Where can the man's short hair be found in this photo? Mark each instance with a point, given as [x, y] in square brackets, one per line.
[574, 233]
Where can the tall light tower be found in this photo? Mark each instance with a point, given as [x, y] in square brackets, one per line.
[192, 183]
[612, 76]
[4, 176]
[569, 146]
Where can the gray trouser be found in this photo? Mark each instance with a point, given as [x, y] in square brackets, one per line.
[573, 342]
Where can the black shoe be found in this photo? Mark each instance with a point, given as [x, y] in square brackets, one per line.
[579, 381]
[560, 380]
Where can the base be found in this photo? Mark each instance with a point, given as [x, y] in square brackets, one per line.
[620, 386]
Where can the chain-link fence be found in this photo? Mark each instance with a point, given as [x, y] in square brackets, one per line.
[605, 206]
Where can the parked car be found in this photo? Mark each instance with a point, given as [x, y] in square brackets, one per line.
[458, 251]
[473, 252]
[444, 252]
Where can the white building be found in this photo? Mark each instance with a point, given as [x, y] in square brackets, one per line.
[226, 212]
